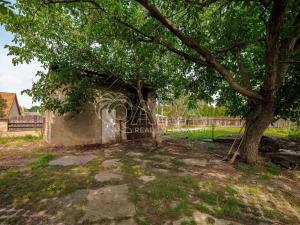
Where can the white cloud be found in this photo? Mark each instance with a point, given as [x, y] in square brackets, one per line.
[17, 78]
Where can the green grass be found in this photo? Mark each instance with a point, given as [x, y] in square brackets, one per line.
[154, 200]
[294, 131]
[42, 162]
[223, 131]
[39, 181]
[265, 169]
[210, 147]
[220, 202]
[5, 140]
[189, 222]
[131, 169]
[178, 162]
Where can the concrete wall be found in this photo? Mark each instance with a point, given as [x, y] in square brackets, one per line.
[84, 128]
[3, 125]
[73, 129]
[14, 110]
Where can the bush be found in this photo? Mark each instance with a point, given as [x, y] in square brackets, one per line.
[294, 131]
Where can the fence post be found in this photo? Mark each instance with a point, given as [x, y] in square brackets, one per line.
[213, 131]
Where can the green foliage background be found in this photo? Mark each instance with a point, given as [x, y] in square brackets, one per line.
[112, 40]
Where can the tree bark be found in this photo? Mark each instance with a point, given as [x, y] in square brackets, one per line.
[260, 117]
[155, 129]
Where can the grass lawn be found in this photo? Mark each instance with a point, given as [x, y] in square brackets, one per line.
[222, 131]
[177, 190]
[5, 140]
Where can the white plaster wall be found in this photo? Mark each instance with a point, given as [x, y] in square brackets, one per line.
[109, 129]
[3, 125]
[14, 110]
[73, 129]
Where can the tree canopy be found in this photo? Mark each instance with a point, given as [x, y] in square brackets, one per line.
[243, 55]
[122, 38]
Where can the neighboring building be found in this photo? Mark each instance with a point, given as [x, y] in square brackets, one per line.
[97, 124]
[12, 109]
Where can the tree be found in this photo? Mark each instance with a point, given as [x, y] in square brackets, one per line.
[78, 47]
[278, 48]
[244, 53]
[34, 108]
[2, 107]
[189, 108]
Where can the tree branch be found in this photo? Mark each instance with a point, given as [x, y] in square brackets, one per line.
[149, 39]
[180, 53]
[205, 53]
[290, 62]
[46, 2]
[244, 77]
[197, 4]
[210, 59]
[240, 44]
[272, 39]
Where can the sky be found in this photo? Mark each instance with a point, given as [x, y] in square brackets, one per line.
[15, 78]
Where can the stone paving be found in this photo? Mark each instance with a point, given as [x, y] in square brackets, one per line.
[72, 160]
[195, 162]
[109, 202]
[104, 176]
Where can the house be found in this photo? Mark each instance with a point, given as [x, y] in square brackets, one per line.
[12, 109]
[115, 117]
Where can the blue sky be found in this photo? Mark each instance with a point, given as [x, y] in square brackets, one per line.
[15, 78]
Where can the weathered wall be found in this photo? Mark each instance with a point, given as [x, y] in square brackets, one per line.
[84, 128]
[14, 110]
[3, 125]
[108, 126]
[73, 129]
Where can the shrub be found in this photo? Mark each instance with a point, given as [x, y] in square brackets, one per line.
[294, 131]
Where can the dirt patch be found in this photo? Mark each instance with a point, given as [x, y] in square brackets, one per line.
[183, 182]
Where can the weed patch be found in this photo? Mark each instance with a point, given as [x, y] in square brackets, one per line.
[155, 198]
[42, 162]
[177, 162]
[133, 170]
[210, 147]
[38, 181]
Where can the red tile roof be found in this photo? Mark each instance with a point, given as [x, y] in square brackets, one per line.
[9, 98]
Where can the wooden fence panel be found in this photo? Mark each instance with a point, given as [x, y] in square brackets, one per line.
[26, 122]
[168, 122]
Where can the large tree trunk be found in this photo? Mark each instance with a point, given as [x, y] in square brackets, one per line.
[156, 134]
[151, 117]
[259, 118]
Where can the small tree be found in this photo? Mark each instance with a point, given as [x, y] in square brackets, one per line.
[2, 107]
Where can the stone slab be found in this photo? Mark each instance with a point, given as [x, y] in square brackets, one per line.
[70, 160]
[109, 202]
[195, 162]
[103, 176]
[147, 179]
[134, 154]
[112, 163]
